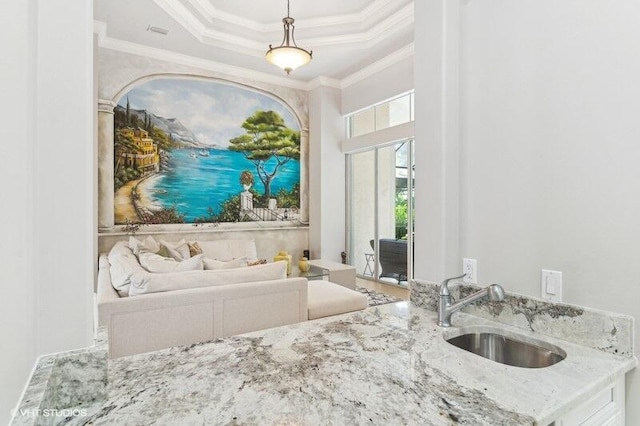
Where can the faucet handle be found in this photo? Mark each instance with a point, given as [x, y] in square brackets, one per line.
[444, 287]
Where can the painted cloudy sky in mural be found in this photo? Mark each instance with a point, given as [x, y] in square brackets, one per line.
[171, 158]
[213, 111]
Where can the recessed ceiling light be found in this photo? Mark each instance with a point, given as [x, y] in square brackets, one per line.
[158, 30]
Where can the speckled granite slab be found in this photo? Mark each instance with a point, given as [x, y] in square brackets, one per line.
[596, 329]
[383, 365]
[64, 385]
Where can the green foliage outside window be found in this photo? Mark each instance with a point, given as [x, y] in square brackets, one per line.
[401, 212]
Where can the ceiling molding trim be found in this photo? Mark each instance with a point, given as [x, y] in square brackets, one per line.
[205, 34]
[231, 42]
[376, 10]
[386, 62]
[100, 28]
[202, 7]
[178, 58]
[210, 13]
[325, 82]
[184, 17]
[393, 23]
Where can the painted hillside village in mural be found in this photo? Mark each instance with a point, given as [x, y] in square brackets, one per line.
[195, 151]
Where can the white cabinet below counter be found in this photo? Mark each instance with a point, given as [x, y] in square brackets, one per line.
[606, 408]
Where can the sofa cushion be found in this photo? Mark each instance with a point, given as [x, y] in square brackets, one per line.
[148, 245]
[226, 250]
[327, 298]
[155, 263]
[122, 268]
[211, 264]
[147, 282]
[178, 251]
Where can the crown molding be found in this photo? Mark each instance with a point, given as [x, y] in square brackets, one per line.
[386, 62]
[324, 82]
[208, 35]
[100, 28]
[378, 9]
[374, 35]
[178, 58]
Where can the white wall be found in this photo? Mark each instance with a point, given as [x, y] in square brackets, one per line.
[47, 170]
[385, 84]
[548, 148]
[17, 322]
[326, 175]
[437, 176]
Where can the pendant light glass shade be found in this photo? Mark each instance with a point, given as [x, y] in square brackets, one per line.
[288, 55]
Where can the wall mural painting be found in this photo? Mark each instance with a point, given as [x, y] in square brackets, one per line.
[193, 151]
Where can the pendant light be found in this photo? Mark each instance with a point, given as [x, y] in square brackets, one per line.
[288, 55]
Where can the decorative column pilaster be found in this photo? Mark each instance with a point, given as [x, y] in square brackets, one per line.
[304, 175]
[106, 213]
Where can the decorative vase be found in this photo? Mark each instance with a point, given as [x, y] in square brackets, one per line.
[246, 187]
[304, 265]
[283, 255]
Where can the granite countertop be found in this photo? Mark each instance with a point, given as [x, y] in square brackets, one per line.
[384, 365]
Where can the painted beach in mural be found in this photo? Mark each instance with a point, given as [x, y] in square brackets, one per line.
[199, 151]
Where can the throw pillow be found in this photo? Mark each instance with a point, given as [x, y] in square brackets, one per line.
[216, 249]
[226, 250]
[149, 245]
[194, 248]
[257, 262]
[155, 263]
[178, 251]
[121, 248]
[122, 268]
[210, 264]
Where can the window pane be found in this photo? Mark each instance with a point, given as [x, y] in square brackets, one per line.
[363, 212]
[363, 122]
[392, 213]
[400, 111]
[382, 116]
[413, 107]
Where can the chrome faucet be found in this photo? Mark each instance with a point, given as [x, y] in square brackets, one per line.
[494, 293]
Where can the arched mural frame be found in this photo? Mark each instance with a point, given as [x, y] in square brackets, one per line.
[141, 80]
[106, 108]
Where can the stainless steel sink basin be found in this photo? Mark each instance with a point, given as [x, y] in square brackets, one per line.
[510, 350]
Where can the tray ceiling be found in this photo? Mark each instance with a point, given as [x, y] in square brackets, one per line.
[345, 36]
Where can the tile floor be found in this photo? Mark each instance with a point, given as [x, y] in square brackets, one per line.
[391, 290]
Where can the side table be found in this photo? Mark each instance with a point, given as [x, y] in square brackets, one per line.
[368, 269]
[339, 273]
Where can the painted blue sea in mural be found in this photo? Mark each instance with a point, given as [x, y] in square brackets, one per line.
[194, 183]
[185, 149]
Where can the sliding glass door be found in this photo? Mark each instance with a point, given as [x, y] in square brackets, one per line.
[381, 213]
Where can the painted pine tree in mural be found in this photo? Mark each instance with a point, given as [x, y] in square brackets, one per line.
[181, 146]
[267, 137]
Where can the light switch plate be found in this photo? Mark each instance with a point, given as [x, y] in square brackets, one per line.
[551, 285]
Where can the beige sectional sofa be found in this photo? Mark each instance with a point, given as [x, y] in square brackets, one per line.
[206, 304]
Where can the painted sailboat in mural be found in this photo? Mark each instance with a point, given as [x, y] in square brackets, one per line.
[191, 179]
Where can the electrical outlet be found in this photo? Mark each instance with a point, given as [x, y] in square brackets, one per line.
[551, 285]
[470, 269]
